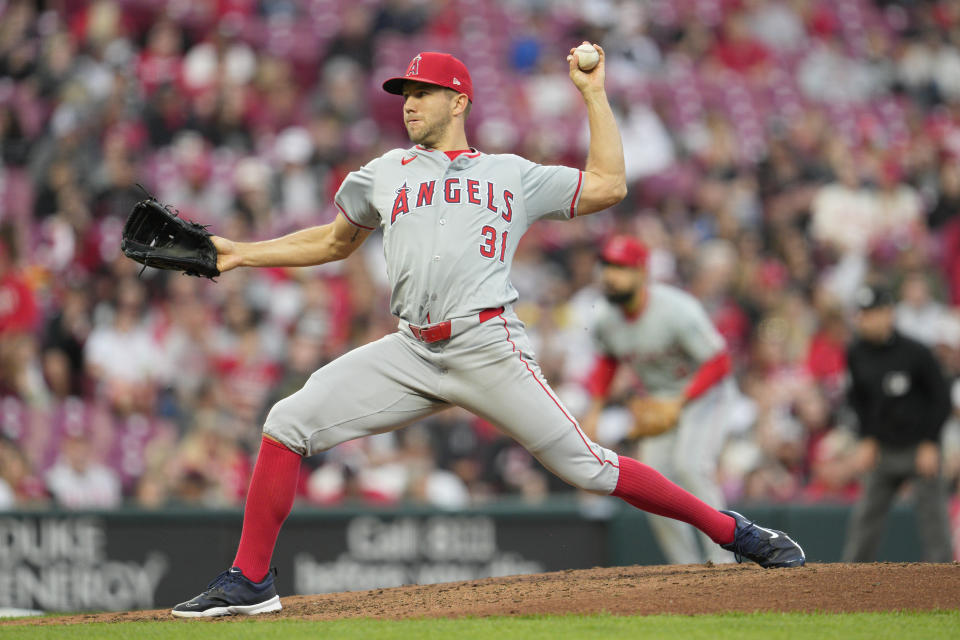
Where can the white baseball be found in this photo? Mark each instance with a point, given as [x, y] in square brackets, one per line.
[587, 56]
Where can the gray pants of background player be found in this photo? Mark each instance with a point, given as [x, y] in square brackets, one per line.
[487, 368]
[894, 467]
[687, 455]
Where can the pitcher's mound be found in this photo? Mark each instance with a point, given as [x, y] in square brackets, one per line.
[687, 589]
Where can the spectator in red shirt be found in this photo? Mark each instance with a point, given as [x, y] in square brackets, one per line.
[737, 50]
[160, 63]
[18, 308]
[826, 356]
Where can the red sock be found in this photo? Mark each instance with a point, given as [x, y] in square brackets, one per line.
[645, 488]
[269, 500]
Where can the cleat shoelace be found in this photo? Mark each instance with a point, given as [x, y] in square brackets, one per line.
[222, 580]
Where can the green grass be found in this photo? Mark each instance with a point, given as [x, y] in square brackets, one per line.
[768, 626]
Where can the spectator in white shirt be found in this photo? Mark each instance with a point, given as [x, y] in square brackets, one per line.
[79, 481]
[918, 314]
[120, 353]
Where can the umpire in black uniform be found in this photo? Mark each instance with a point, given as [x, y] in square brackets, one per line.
[901, 399]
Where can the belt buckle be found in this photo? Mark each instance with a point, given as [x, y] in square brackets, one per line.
[435, 332]
[432, 333]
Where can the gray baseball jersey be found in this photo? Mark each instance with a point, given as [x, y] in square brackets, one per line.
[666, 343]
[450, 232]
[451, 228]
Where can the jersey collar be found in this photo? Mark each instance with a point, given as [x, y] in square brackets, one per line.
[443, 157]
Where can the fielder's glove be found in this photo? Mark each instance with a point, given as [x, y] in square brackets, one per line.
[653, 416]
[155, 236]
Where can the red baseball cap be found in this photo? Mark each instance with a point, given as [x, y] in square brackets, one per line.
[624, 251]
[441, 69]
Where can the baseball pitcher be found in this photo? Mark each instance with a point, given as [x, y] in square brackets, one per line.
[451, 218]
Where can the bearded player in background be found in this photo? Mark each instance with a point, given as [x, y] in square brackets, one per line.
[667, 339]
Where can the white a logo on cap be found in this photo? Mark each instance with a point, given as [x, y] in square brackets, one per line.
[414, 67]
[456, 81]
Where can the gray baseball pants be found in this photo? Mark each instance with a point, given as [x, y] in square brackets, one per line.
[894, 467]
[487, 368]
[687, 455]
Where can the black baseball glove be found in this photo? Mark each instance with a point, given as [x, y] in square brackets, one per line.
[155, 236]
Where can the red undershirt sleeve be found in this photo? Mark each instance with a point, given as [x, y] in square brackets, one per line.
[710, 373]
[601, 376]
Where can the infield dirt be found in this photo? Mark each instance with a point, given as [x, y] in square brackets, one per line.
[638, 590]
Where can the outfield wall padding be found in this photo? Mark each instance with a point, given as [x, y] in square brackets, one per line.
[130, 559]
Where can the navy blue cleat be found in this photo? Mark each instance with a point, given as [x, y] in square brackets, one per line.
[767, 547]
[232, 593]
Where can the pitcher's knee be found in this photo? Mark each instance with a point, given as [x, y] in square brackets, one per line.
[283, 425]
[583, 464]
[596, 478]
[279, 414]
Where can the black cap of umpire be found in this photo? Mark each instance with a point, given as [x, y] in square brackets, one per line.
[873, 297]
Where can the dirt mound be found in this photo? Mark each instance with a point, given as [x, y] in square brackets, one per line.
[687, 589]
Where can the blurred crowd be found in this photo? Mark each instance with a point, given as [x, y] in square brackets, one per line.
[779, 153]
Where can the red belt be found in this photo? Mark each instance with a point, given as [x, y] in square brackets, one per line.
[443, 330]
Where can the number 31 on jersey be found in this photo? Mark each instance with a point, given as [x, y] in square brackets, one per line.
[488, 248]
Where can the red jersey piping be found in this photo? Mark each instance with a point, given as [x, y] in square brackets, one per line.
[573, 203]
[350, 220]
[559, 406]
